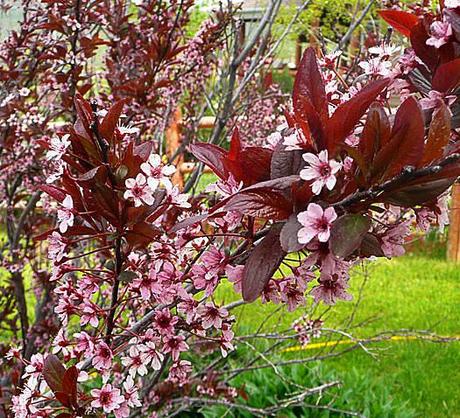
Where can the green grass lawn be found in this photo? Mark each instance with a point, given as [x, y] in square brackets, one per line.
[408, 378]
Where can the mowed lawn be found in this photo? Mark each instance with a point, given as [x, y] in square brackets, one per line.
[407, 378]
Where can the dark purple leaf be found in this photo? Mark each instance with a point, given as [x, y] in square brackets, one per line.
[262, 202]
[288, 236]
[53, 372]
[438, 136]
[447, 76]
[418, 194]
[211, 155]
[262, 264]
[347, 233]
[285, 163]
[348, 114]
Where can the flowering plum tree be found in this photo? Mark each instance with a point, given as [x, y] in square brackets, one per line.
[137, 263]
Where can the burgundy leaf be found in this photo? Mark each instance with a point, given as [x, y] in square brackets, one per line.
[69, 384]
[64, 398]
[211, 155]
[255, 164]
[306, 113]
[55, 192]
[371, 246]
[447, 76]
[376, 132]
[235, 146]
[418, 194]
[53, 372]
[309, 83]
[428, 54]
[262, 202]
[142, 234]
[262, 264]
[438, 136]
[348, 114]
[347, 234]
[98, 173]
[192, 220]
[405, 147]
[288, 236]
[110, 121]
[403, 22]
[284, 163]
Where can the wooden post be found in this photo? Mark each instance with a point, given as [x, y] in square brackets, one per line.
[173, 142]
[453, 246]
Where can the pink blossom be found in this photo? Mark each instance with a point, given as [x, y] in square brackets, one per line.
[145, 284]
[84, 343]
[90, 314]
[107, 398]
[211, 315]
[226, 340]
[13, 352]
[179, 199]
[165, 322]
[316, 223]
[394, 238]
[291, 294]
[61, 343]
[321, 170]
[103, 356]
[330, 289]
[65, 215]
[225, 188]
[56, 247]
[152, 355]
[131, 393]
[175, 344]
[442, 211]
[436, 99]
[294, 140]
[235, 276]
[139, 191]
[35, 366]
[384, 50]
[180, 371]
[135, 362]
[330, 60]
[440, 31]
[188, 307]
[157, 173]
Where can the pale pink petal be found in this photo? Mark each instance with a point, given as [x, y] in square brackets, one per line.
[310, 158]
[305, 235]
[330, 214]
[308, 173]
[315, 210]
[324, 235]
[330, 182]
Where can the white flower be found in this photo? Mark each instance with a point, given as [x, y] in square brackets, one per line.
[128, 129]
[24, 92]
[375, 66]
[179, 199]
[157, 173]
[58, 147]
